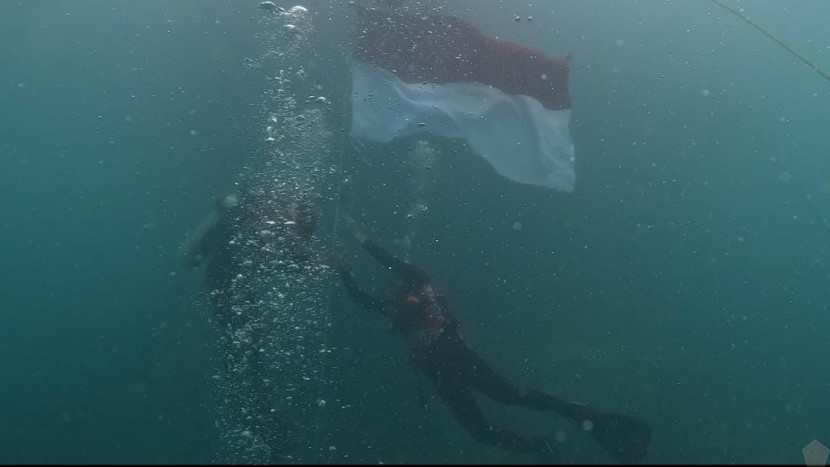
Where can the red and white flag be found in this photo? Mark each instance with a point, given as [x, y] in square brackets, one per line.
[440, 74]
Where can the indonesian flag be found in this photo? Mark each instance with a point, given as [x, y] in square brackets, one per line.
[440, 74]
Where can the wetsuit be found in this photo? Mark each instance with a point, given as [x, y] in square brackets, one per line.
[254, 389]
[221, 265]
[439, 350]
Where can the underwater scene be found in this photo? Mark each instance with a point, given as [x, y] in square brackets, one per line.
[414, 231]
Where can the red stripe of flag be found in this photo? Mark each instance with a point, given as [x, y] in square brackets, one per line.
[443, 49]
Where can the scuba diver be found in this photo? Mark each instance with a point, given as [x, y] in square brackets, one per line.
[211, 243]
[223, 244]
[421, 314]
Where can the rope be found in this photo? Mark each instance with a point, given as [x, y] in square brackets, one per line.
[823, 222]
[332, 249]
[777, 40]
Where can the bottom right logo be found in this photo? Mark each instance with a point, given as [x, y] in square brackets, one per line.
[815, 453]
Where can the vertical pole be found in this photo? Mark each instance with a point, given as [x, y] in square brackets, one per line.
[340, 149]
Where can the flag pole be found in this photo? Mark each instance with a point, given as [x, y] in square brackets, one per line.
[340, 149]
[777, 40]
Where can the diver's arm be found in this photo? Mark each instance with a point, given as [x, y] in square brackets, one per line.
[210, 235]
[197, 246]
[385, 258]
[371, 304]
[398, 266]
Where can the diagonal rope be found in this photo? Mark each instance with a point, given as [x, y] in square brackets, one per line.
[804, 196]
[777, 40]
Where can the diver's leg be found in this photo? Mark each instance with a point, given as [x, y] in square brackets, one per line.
[251, 392]
[270, 421]
[461, 402]
[625, 438]
[481, 376]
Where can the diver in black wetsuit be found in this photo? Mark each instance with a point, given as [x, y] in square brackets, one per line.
[421, 314]
[213, 240]
[216, 243]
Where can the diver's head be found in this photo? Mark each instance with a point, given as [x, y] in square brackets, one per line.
[227, 202]
[305, 216]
